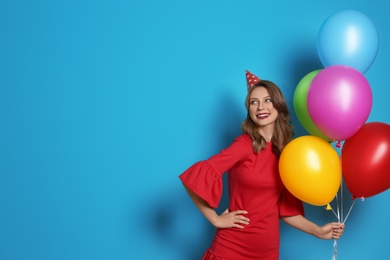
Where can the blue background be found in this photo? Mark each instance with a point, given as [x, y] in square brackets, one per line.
[104, 103]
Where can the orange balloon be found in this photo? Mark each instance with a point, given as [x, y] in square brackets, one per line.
[311, 170]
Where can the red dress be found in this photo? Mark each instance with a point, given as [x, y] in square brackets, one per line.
[254, 186]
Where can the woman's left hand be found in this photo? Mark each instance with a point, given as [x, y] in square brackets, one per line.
[332, 230]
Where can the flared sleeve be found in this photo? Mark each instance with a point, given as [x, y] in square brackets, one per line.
[204, 181]
[290, 205]
[204, 178]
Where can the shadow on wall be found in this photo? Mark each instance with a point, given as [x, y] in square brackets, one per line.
[175, 222]
[301, 59]
[178, 225]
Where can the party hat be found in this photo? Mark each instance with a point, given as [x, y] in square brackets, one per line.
[251, 79]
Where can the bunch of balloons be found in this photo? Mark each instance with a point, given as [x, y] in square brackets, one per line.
[333, 104]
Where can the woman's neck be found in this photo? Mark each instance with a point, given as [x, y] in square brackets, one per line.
[266, 133]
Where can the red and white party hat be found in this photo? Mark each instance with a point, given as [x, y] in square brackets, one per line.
[251, 79]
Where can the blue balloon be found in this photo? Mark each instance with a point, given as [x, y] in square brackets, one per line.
[348, 38]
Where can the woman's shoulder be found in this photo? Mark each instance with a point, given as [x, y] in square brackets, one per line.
[243, 141]
[244, 138]
[241, 145]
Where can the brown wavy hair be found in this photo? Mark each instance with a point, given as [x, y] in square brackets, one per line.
[283, 131]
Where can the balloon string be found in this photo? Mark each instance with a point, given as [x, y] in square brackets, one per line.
[335, 250]
[338, 208]
[342, 201]
[334, 213]
[353, 203]
[335, 247]
[340, 217]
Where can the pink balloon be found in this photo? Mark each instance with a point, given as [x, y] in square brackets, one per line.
[339, 101]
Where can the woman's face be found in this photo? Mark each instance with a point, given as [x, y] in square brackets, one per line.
[261, 108]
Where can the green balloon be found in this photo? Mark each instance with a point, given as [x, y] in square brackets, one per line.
[300, 105]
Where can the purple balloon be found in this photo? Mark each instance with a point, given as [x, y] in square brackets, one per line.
[339, 101]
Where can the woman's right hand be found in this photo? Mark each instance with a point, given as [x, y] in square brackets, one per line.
[234, 219]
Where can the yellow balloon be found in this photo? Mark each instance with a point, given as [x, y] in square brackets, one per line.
[311, 170]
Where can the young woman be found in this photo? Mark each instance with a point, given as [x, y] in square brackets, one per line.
[249, 228]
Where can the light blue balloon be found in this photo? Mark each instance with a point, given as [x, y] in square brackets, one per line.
[348, 38]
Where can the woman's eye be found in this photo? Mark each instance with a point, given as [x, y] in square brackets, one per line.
[268, 100]
[253, 102]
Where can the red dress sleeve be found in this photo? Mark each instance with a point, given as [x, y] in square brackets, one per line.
[290, 205]
[205, 177]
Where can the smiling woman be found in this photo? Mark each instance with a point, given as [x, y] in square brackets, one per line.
[249, 227]
[262, 111]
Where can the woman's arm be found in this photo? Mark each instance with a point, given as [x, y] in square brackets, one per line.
[225, 220]
[332, 230]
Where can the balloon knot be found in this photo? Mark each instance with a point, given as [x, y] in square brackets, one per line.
[362, 198]
[338, 144]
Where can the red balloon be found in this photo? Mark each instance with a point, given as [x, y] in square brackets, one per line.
[365, 159]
